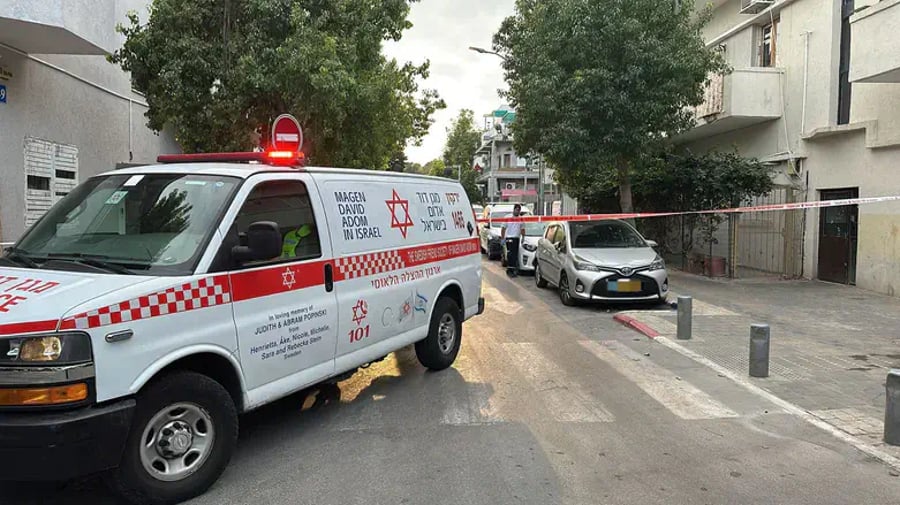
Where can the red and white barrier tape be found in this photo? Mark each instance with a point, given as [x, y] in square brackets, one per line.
[754, 208]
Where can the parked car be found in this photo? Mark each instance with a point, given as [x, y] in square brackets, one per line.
[527, 247]
[489, 232]
[606, 261]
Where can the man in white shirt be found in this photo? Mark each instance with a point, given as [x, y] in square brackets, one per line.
[512, 234]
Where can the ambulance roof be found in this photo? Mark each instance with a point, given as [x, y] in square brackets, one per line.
[246, 170]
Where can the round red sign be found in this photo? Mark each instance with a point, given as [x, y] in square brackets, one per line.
[286, 134]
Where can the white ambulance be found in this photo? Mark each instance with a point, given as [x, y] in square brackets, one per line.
[152, 306]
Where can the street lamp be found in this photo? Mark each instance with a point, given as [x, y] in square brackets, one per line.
[481, 50]
[485, 51]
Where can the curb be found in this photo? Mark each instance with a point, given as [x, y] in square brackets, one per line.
[636, 325]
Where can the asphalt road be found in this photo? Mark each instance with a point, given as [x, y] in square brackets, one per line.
[546, 405]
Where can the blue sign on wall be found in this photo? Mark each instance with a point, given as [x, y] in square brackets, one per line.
[2, 93]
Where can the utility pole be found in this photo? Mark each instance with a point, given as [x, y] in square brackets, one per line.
[541, 195]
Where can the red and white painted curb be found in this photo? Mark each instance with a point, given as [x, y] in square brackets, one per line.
[636, 325]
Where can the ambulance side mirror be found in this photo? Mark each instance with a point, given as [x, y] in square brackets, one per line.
[263, 243]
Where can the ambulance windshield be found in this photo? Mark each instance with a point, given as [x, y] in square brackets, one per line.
[152, 224]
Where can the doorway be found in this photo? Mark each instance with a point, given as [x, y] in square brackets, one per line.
[838, 228]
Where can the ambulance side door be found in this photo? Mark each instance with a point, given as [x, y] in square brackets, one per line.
[285, 308]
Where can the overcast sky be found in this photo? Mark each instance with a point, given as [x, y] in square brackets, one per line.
[442, 32]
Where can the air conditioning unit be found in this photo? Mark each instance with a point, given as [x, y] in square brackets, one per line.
[510, 185]
[755, 6]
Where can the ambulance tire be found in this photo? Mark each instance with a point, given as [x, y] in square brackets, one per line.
[133, 482]
[436, 352]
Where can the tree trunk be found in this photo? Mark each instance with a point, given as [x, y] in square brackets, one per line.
[625, 202]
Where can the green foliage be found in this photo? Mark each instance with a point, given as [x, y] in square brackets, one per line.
[216, 70]
[435, 167]
[398, 162]
[168, 215]
[686, 182]
[597, 86]
[462, 142]
[414, 168]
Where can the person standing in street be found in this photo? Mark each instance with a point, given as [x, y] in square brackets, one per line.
[512, 234]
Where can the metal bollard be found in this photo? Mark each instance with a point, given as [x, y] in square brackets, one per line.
[892, 408]
[684, 317]
[759, 350]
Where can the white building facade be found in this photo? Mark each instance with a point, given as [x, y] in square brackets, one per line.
[65, 112]
[815, 93]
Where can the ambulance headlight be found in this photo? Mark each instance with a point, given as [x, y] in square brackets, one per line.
[57, 349]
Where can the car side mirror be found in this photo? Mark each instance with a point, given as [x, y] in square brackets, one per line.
[652, 243]
[263, 243]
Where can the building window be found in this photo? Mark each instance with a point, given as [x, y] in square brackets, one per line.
[507, 160]
[768, 44]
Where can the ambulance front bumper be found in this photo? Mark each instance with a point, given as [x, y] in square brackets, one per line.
[62, 445]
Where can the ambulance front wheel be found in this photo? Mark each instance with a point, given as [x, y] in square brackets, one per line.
[182, 437]
[438, 351]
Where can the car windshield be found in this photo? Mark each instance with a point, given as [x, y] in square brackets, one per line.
[143, 224]
[533, 229]
[604, 235]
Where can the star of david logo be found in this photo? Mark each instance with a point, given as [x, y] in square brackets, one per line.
[397, 222]
[360, 311]
[288, 279]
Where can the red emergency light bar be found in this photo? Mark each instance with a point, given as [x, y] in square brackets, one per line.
[278, 158]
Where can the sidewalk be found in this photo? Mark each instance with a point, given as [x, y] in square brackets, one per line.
[831, 345]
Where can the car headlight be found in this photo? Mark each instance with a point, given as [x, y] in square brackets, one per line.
[585, 266]
[658, 264]
[529, 247]
[56, 349]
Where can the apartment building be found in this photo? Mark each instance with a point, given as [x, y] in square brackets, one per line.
[65, 112]
[814, 93]
[508, 177]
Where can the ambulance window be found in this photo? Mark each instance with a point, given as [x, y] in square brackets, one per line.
[147, 224]
[287, 204]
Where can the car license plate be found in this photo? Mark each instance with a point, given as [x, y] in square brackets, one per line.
[624, 286]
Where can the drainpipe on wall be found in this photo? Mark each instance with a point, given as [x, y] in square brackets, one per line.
[805, 82]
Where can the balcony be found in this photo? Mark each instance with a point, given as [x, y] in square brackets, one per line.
[873, 57]
[743, 98]
[58, 26]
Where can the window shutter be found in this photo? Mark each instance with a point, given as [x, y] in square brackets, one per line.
[51, 171]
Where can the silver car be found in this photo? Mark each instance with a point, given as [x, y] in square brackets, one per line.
[605, 260]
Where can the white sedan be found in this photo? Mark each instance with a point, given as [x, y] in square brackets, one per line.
[527, 246]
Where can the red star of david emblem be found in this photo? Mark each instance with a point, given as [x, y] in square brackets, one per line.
[360, 311]
[396, 222]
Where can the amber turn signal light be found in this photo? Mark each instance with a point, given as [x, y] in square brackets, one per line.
[56, 395]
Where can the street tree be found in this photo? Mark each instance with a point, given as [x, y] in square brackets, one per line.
[216, 70]
[463, 138]
[599, 85]
[398, 162]
[436, 167]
